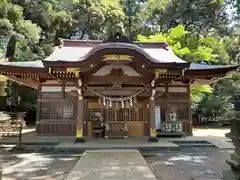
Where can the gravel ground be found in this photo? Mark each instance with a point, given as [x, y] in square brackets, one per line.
[35, 166]
[191, 163]
[205, 163]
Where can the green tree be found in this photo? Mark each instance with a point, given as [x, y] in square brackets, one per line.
[209, 101]
[24, 36]
[77, 19]
[192, 46]
[13, 23]
[205, 16]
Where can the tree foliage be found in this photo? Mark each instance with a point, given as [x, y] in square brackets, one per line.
[14, 24]
[192, 46]
[214, 100]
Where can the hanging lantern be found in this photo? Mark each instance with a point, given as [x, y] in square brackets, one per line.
[107, 103]
[110, 103]
[117, 105]
[127, 105]
[153, 83]
[122, 103]
[104, 101]
[99, 101]
[131, 102]
[135, 100]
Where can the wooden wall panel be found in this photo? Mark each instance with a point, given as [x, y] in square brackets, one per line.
[94, 105]
[89, 126]
[57, 112]
[135, 128]
[56, 128]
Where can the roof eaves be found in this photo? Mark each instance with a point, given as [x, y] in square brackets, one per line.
[204, 67]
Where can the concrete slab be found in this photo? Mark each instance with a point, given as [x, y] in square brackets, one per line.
[218, 142]
[97, 144]
[111, 165]
[221, 144]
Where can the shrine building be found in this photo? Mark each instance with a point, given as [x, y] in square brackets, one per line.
[131, 88]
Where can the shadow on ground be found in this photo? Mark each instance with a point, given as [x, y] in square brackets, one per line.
[203, 163]
[35, 166]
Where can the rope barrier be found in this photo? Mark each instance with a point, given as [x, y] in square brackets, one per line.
[116, 99]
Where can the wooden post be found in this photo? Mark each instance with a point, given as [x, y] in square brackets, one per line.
[80, 115]
[166, 101]
[38, 108]
[189, 133]
[152, 126]
[20, 136]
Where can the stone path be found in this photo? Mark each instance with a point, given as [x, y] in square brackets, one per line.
[126, 144]
[111, 165]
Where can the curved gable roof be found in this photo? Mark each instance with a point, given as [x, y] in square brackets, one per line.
[81, 53]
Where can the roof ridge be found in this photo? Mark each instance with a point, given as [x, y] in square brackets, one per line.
[94, 43]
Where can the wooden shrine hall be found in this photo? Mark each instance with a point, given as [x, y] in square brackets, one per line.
[113, 88]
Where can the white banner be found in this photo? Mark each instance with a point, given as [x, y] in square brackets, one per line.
[158, 117]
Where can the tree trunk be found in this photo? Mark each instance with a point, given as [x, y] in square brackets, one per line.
[12, 86]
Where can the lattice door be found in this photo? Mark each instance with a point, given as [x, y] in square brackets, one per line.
[110, 114]
[93, 111]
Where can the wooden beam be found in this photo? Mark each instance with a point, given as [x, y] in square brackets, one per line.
[122, 79]
[17, 69]
[27, 82]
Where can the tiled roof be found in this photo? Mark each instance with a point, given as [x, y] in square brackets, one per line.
[194, 66]
[34, 64]
[72, 54]
[39, 63]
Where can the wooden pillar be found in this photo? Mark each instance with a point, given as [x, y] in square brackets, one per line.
[152, 126]
[166, 101]
[146, 118]
[38, 110]
[63, 97]
[39, 95]
[80, 115]
[189, 133]
[85, 117]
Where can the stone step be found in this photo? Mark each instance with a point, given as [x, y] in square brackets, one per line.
[111, 164]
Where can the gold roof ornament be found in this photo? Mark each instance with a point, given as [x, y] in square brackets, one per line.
[76, 71]
[159, 71]
[117, 57]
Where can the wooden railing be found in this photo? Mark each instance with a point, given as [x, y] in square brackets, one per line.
[13, 127]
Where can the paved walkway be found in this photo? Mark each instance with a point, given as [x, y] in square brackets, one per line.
[131, 143]
[111, 165]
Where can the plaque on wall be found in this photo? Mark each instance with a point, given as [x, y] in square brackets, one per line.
[177, 127]
[172, 126]
[167, 127]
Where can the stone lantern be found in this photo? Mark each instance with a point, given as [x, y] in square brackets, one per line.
[234, 162]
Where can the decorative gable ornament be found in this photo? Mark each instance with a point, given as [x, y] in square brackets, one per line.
[117, 58]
